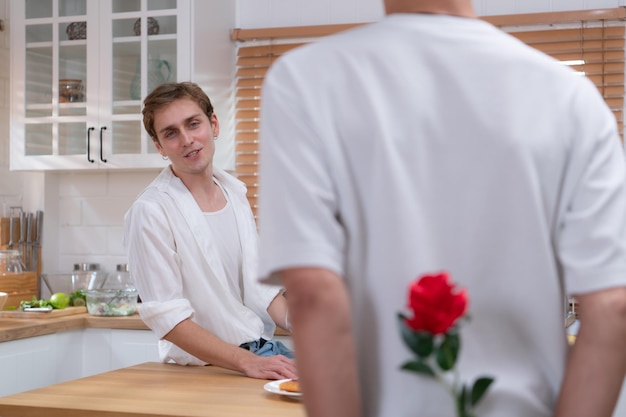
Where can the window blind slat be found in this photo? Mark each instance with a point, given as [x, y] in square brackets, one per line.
[246, 157]
[255, 82]
[247, 137]
[246, 146]
[247, 125]
[251, 72]
[248, 92]
[539, 36]
[245, 114]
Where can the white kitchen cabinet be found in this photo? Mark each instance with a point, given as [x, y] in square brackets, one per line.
[118, 50]
[39, 361]
[109, 349]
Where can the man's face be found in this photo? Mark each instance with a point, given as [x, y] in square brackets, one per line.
[185, 135]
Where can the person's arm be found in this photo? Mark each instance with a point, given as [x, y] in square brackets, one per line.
[596, 366]
[319, 311]
[204, 345]
[279, 312]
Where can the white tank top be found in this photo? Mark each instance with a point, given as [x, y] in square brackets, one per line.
[223, 227]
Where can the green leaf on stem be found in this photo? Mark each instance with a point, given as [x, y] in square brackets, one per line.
[421, 343]
[461, 402]
[480, 388]
[419, 367]
[448, 351]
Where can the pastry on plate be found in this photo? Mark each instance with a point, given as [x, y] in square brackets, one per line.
[290, 386]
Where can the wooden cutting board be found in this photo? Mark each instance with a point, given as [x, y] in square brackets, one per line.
[19, 314]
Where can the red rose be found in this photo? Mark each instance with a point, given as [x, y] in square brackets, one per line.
[434, 304]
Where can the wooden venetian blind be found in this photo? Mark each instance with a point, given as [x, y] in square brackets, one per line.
[594, 51]
[252, 65]
[590, 41]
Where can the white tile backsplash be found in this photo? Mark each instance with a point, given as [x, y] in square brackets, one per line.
[118, 184]
[91, 215]
[80, 242]
[104, 210]
[85, 209]
[83, 184]
[70, 213]
[115, 235]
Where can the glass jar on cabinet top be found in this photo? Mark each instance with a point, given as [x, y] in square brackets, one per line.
[91, 274]
[120, 279]
[81, 69]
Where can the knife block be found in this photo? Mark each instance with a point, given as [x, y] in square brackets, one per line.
[20, 287]
[5, 228]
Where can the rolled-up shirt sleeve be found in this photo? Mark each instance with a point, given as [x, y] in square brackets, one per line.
[162, 317]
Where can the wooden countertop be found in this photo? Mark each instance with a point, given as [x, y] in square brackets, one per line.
[19, 328]
[13, 329]
[154, 389]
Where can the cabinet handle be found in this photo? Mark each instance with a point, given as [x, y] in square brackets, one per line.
[101, 156]
[89, 144]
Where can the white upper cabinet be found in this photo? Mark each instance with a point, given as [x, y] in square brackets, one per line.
[79, 69]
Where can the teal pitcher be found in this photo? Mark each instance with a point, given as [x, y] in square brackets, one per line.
[158, 72]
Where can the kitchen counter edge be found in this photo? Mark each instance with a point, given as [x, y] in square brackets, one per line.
[14, 328]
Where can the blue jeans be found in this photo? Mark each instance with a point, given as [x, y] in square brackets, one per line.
[264, 347]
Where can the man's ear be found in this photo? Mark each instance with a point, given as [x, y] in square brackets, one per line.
[216, 125]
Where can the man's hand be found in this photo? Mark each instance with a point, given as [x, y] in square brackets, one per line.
[204, 345]
[272, 367]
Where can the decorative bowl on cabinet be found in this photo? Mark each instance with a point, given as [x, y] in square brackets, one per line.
[153, 26]
[76, 30]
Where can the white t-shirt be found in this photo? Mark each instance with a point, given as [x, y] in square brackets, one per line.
[425, 143]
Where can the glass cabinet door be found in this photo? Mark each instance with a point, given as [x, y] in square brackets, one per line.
[55, 77]
[81, 70]
[144, 54]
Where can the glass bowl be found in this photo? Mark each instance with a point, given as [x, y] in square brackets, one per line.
[70, 282]
[110, 302]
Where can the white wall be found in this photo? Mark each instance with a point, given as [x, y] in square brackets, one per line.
[10, 183]
[84, 211]
[275, 13]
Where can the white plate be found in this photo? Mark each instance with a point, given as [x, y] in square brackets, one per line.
[273, 388]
